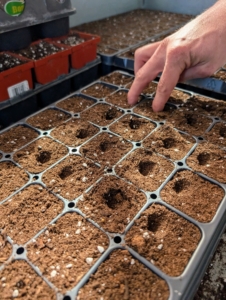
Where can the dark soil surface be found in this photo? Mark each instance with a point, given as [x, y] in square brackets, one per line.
[209, 160]
[48, 119]
[8, 61]
[75, 104]
[40, 155]
[132, 128]
[21, 282]
[12, 178]
[31, 210]
[121, 276]
[106, 149]
[74, 132]
[119, 98]
[164, 238]
[67, 250]
[101, 114]
[98, 90]
[117, 78]
[169, 142]
[116, 204]
[145, 169]
[71, 177]
[187, 192]
[16, 137]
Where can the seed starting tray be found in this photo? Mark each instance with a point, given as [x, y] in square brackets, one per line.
[180, 287]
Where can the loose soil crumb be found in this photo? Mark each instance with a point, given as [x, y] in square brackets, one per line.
[209, 160]
[31, 210]
[101, 114]
[164, 238]
[21, 282]
[144, 108]
[98, 90]
[217, 135]
[193, 124]
[72, 176]
[145, 169]
[5, 248]
[106, 149]
[74, 132]
[188, 192]
[75, 104]
[40, 155]
[221, 75]
[117, 78]
[12, 178]
[67, 250]
[48, 119]
[119, 98]
[123, 277]
[169, 142]
[178, 97]
[16, 137]
[132, 128]
[112, 204]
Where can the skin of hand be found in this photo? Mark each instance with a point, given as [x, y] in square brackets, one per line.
[196, 50]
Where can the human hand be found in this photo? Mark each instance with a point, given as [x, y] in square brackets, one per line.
[197, 50]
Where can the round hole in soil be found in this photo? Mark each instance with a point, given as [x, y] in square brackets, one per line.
[65, 172]
[180, 185]
[153, 196]
[20, 250]
[74, 150]
[45, 133]
[180, 164]
[67, 298]
[20, 284]
[134, 124]
[191, 120]
[35, 177]
[43, 157]
[200, 138]
[117, 239]
[105, 145]
[82, 133]
[203, 158]
[222, 131]
[71, 205]
[111, 113]
[146, 167]
[138, 144]
[114, 197]
[169, 143]
[7, 156]
[153, 222]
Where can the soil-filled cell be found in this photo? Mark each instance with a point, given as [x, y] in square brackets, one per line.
[217, 135]
[72, 176]
[5, 248]
[164, 238]
[117, 78]
[74, 132]
[132, 128]
[145, 169]
[188, 192]
[12, 178]
[66, 250]
[112, 204]
[19, 281]
[40, 154]
[48, 119]
[16, 137]
[119, 98]
[169, 142]
[209, 160]
[191, 123]
[178, 97]
[75, 104]
[106, 149]
[144, 108]
[98, 90]
[123, 277]
[101, 114]
[27, 212]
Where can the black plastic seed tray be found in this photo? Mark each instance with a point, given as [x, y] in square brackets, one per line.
[180, 287]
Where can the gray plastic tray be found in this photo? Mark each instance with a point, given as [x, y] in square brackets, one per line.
[182, 287]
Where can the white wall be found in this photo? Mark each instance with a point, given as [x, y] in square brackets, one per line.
[191, 7]
[90, 10]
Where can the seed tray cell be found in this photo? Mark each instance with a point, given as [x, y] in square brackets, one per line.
[115, 208]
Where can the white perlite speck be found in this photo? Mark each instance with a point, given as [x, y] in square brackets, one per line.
[84, 179]
[89, 260]
[160, 246]
[100, 249]
[145, 235]
[69, 266]
[53, 273]
[132, 261]
[15, 293]
[78, 231]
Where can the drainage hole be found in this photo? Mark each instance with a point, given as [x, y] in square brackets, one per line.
[20, 250]
[117, 239]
